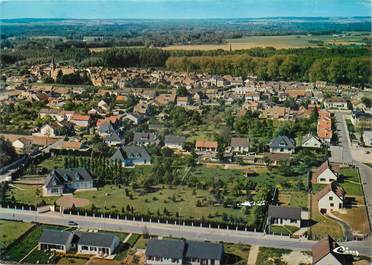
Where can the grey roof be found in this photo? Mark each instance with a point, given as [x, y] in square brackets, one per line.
[204, 250]
[143, 137]
[130, 152]
[165, 248]
[282, 141]
[58, 237]
[239, 142]
[308, 136]
[61, 176]
[284, 212]
[95, 239]
[112, 137]
[106, 128]
[174, 140]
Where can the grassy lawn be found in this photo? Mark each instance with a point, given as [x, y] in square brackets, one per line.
[28, 194]
[283, 230]
[324, 225]
[269, 256]
[140, 243]
[293, 198]
[52, 162]
[351, 181]
[162, 197]
[237, 253]
[11, 230]
[18, 251]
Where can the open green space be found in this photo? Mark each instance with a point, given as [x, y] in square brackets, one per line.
[52, 163]
[11, 230]
[28, 194]
[163, 200]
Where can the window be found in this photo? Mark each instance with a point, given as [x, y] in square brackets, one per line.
[332, 204]
[84, 247]
[331, 198]
[322, 179]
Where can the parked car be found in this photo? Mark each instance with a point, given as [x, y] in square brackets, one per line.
[72, 223]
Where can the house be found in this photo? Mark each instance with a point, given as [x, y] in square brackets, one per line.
[101, 244]
[143, 138]
[311, 140]
[167, 251]
[135, 118]
[131, 156]
[81, 120]
[51, 129]
[324, 126]
[361, 119]
[206, 146]
[335, 103]
[277, 113]
[104, 105]
[323, 174]
[239, 145]
[61, 181]
[330, 198]
[55, 240]
[22, 144]
[282, 144]
[283, 215]
[367, 138]
[174, 142]
[324, 254]
[71, 145]
[87, 243]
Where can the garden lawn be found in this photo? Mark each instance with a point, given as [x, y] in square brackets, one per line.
[116, 201]
[293, 199]
[27, 194]
[11, 230]
[283, 230]
[52, 163]
[267, 255]
[26, 244]
[351, 182]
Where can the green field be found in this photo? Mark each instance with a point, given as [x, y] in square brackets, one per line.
[269, 256]
[28, 194]
[177, 199]
[11, 230]
[283, 230]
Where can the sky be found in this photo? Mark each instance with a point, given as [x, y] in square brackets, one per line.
[167, 9]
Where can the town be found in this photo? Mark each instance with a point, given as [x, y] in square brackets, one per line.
[161, 165]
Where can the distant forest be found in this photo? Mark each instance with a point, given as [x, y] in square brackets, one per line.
[160, 33]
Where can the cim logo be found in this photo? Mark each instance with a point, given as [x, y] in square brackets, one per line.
[345, 251]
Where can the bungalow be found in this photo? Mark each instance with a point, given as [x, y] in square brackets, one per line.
[98, 244]
[282, 215]
[239, 145]
[206, 146]
[282, 145]
[143, 138]
[131, 156]
[176, 251]
[81, 120]
[323, 174]
[174, 142]
[312, 141]
[60, 181]
[324, 254]
[55, 240]
[101, 244]
[335, 103]
[330, 198]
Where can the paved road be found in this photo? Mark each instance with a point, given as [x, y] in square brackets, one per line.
[192, 233]
[347, 157]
